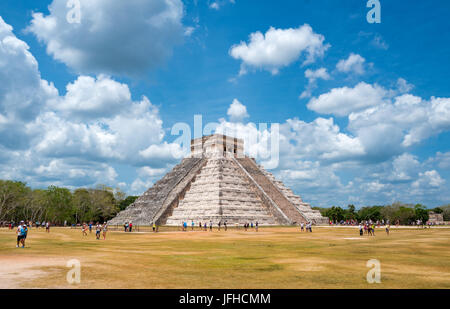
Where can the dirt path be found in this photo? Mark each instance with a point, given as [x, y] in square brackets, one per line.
[14, 271]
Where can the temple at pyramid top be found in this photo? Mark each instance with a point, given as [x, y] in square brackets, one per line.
[217, 144]
[219, 183]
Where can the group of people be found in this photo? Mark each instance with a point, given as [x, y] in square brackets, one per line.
[29, 224]
[99, 228]
[250, 225]
[128, 226]
[22, 232]
[306, 227]
[367, 228]
[204, 226]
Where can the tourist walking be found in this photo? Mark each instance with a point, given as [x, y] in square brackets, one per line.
[24, 234]
[47, 227]
[192, 225]
[98, 229]
[387, 229]
[154, 227]
[210, 225]
[225, 225]
[220, 223]
[19, 234]
[83, 229]
[130, 227]
[105, 229]
[256, 226]
[90, 227]
[301, 227]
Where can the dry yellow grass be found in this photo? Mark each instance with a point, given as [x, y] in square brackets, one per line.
[275, 257]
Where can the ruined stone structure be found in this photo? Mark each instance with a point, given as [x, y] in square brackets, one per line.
[219, 183]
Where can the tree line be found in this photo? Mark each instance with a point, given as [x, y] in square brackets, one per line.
[58, 205]
[403, 213]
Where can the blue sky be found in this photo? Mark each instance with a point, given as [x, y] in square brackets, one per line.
[364, 108]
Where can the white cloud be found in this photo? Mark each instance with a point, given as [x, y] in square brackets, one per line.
[23, 94]
[379, 42]
[443, 160]
[403, 86]
[312, 77]
[237, 111]
[138, 43]
[73, 139]
[147, 171]
[354, 63]
[162, 152]
[429, 179]
[409, 117]
[214, 6]
[139, 186]
[404, 167]
[278, 48]
[343, 101]
[89, 97]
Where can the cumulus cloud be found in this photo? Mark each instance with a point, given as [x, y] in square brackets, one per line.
[91, 98]
[408, 117]
[312, 77]
[22, 91]
[73, 139]
[278, 48]
[139, 186]
[429, 179]
[443, 160]
[354, 63]
[143, 34]
[403, 86]
[237, 111]
[343, 101]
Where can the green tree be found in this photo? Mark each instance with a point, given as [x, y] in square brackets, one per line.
[59, 207]
[370, 213]
[127, 201]
[335, 213]
[350, 213]
[83, 206]
[13, 195]
[421, 213]
[105, 204]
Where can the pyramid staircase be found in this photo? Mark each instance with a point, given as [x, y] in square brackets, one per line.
[221, 192]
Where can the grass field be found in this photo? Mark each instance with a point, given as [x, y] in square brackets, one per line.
[274, 257]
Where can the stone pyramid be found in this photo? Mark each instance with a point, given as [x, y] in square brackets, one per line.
[218, 183]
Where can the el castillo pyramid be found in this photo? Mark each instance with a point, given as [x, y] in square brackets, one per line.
[219, 183]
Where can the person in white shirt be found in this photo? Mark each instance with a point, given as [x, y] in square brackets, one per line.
[19, 234]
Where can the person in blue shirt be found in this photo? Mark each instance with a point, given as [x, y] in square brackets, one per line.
[24, 234]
